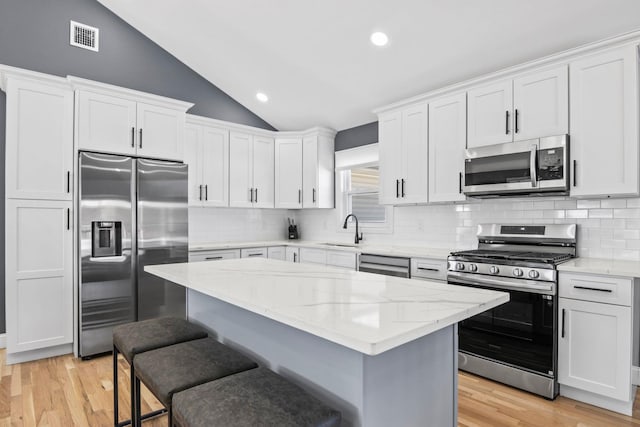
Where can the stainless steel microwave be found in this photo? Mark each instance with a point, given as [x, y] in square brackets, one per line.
[518, 168]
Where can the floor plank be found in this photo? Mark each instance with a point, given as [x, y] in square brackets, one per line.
[66, 391]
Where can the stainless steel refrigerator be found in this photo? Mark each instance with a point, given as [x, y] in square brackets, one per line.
[132, 213]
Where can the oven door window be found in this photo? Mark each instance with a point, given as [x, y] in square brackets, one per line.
[519, 332]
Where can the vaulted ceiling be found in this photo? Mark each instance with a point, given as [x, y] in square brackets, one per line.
[315, 61]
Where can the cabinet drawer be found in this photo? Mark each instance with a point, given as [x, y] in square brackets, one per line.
[253, 253]
[606, 289]
[423, 268]
[214, 255]
[315, 256]
[341, 259]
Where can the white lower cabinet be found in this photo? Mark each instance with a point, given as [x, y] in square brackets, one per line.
[313, 256]
[276, 252]
[216, 255]
[596, 348]
[292, 254]
[39, 280]
[253, 253]
[429, 269]
[342, 259]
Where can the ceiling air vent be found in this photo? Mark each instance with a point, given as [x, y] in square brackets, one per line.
[84, 36]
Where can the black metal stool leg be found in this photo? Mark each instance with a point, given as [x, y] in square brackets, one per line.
[115, 386]
[133, 396]
[138, 418]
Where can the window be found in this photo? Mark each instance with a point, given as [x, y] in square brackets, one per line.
[357, 189]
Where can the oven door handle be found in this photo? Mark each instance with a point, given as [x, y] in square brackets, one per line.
[506, 283]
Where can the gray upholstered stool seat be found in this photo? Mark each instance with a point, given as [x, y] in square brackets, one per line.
[131, 339]
[175, 368]
[258, 397]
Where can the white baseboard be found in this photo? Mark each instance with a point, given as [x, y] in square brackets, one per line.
[635, 375]
[3, 340]
[42, 353]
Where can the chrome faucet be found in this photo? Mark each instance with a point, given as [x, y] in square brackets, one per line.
[358, 235]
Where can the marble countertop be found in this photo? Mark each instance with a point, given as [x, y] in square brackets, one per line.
[370, 248]
[369, 313]
[610, 267]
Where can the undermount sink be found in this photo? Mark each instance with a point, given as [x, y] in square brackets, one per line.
[344, 245]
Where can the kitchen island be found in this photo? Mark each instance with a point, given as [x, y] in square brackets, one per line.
[383, 350]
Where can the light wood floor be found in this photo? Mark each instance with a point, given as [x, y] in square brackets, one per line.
[65, 391]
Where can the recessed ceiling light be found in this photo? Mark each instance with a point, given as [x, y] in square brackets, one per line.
[262, 97]
[379, 39]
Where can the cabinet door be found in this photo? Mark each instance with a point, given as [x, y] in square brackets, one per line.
[39, 141]
[276, 252]
[541, 104]
[263, 172]
[447, 140]
[594, 350]
[240, 170]
[313, 256]
[413, 181]
[106, 124]
[292, 254]
[342, 259]
[390, 136]
[310, 171]
[215, 166]
[160, 132]
[604, 123]
[289, 173]
[193, 158]
[489, 120]
[39, 282]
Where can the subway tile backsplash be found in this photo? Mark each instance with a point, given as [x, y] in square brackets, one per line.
[607, 228]
[208, 225]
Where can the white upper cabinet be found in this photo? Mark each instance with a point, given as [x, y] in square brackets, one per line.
[604, 124]
[115, 120]
[206, 151]
[39, 140]
[288, 174]
[532, 106]
[541, 104]
[447, 141]
[489, 120]
[318, 171]
[251, 170]
[403, 155]
[160, 132]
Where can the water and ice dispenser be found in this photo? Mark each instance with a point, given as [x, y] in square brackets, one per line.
[106, 237]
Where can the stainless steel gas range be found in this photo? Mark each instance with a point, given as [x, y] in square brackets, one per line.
[515, 343]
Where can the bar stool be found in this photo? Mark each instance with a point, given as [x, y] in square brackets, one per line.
[251, 398]
[134, 338]
[175, 368]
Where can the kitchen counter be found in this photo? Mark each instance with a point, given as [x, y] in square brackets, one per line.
[383, 350]
[609, 267]
[369, 248]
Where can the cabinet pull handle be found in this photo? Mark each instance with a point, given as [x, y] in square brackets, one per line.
[402, 187]
[428, 269]
[206, 192]
[506, 122]
[562, 333]
[68, 182]
[251, 195]
[460, 182]
[68, 218]
[258, 254]
[397, 188]
[133, 137]
[212, 258]
[295, 256]
[575, 163]
[200, 195]
[517, 127]
[587, 288]
[314, 196]
[140, 141]
[299, 196]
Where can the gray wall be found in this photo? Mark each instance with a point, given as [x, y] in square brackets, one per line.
[34, 34]
[357, 136]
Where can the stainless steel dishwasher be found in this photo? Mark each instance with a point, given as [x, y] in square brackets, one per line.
[387, 265]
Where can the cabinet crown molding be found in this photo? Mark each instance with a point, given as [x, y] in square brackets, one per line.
[555, 59]
[134, 95]
[7, 72]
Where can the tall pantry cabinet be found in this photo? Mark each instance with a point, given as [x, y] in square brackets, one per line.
[39, 229]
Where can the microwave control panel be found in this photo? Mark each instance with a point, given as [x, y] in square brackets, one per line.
[551, 164]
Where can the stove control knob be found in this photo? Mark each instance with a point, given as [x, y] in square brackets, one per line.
[494, 270]
[534, 274]
[517, 272]
[459, 266]
[473, 267]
